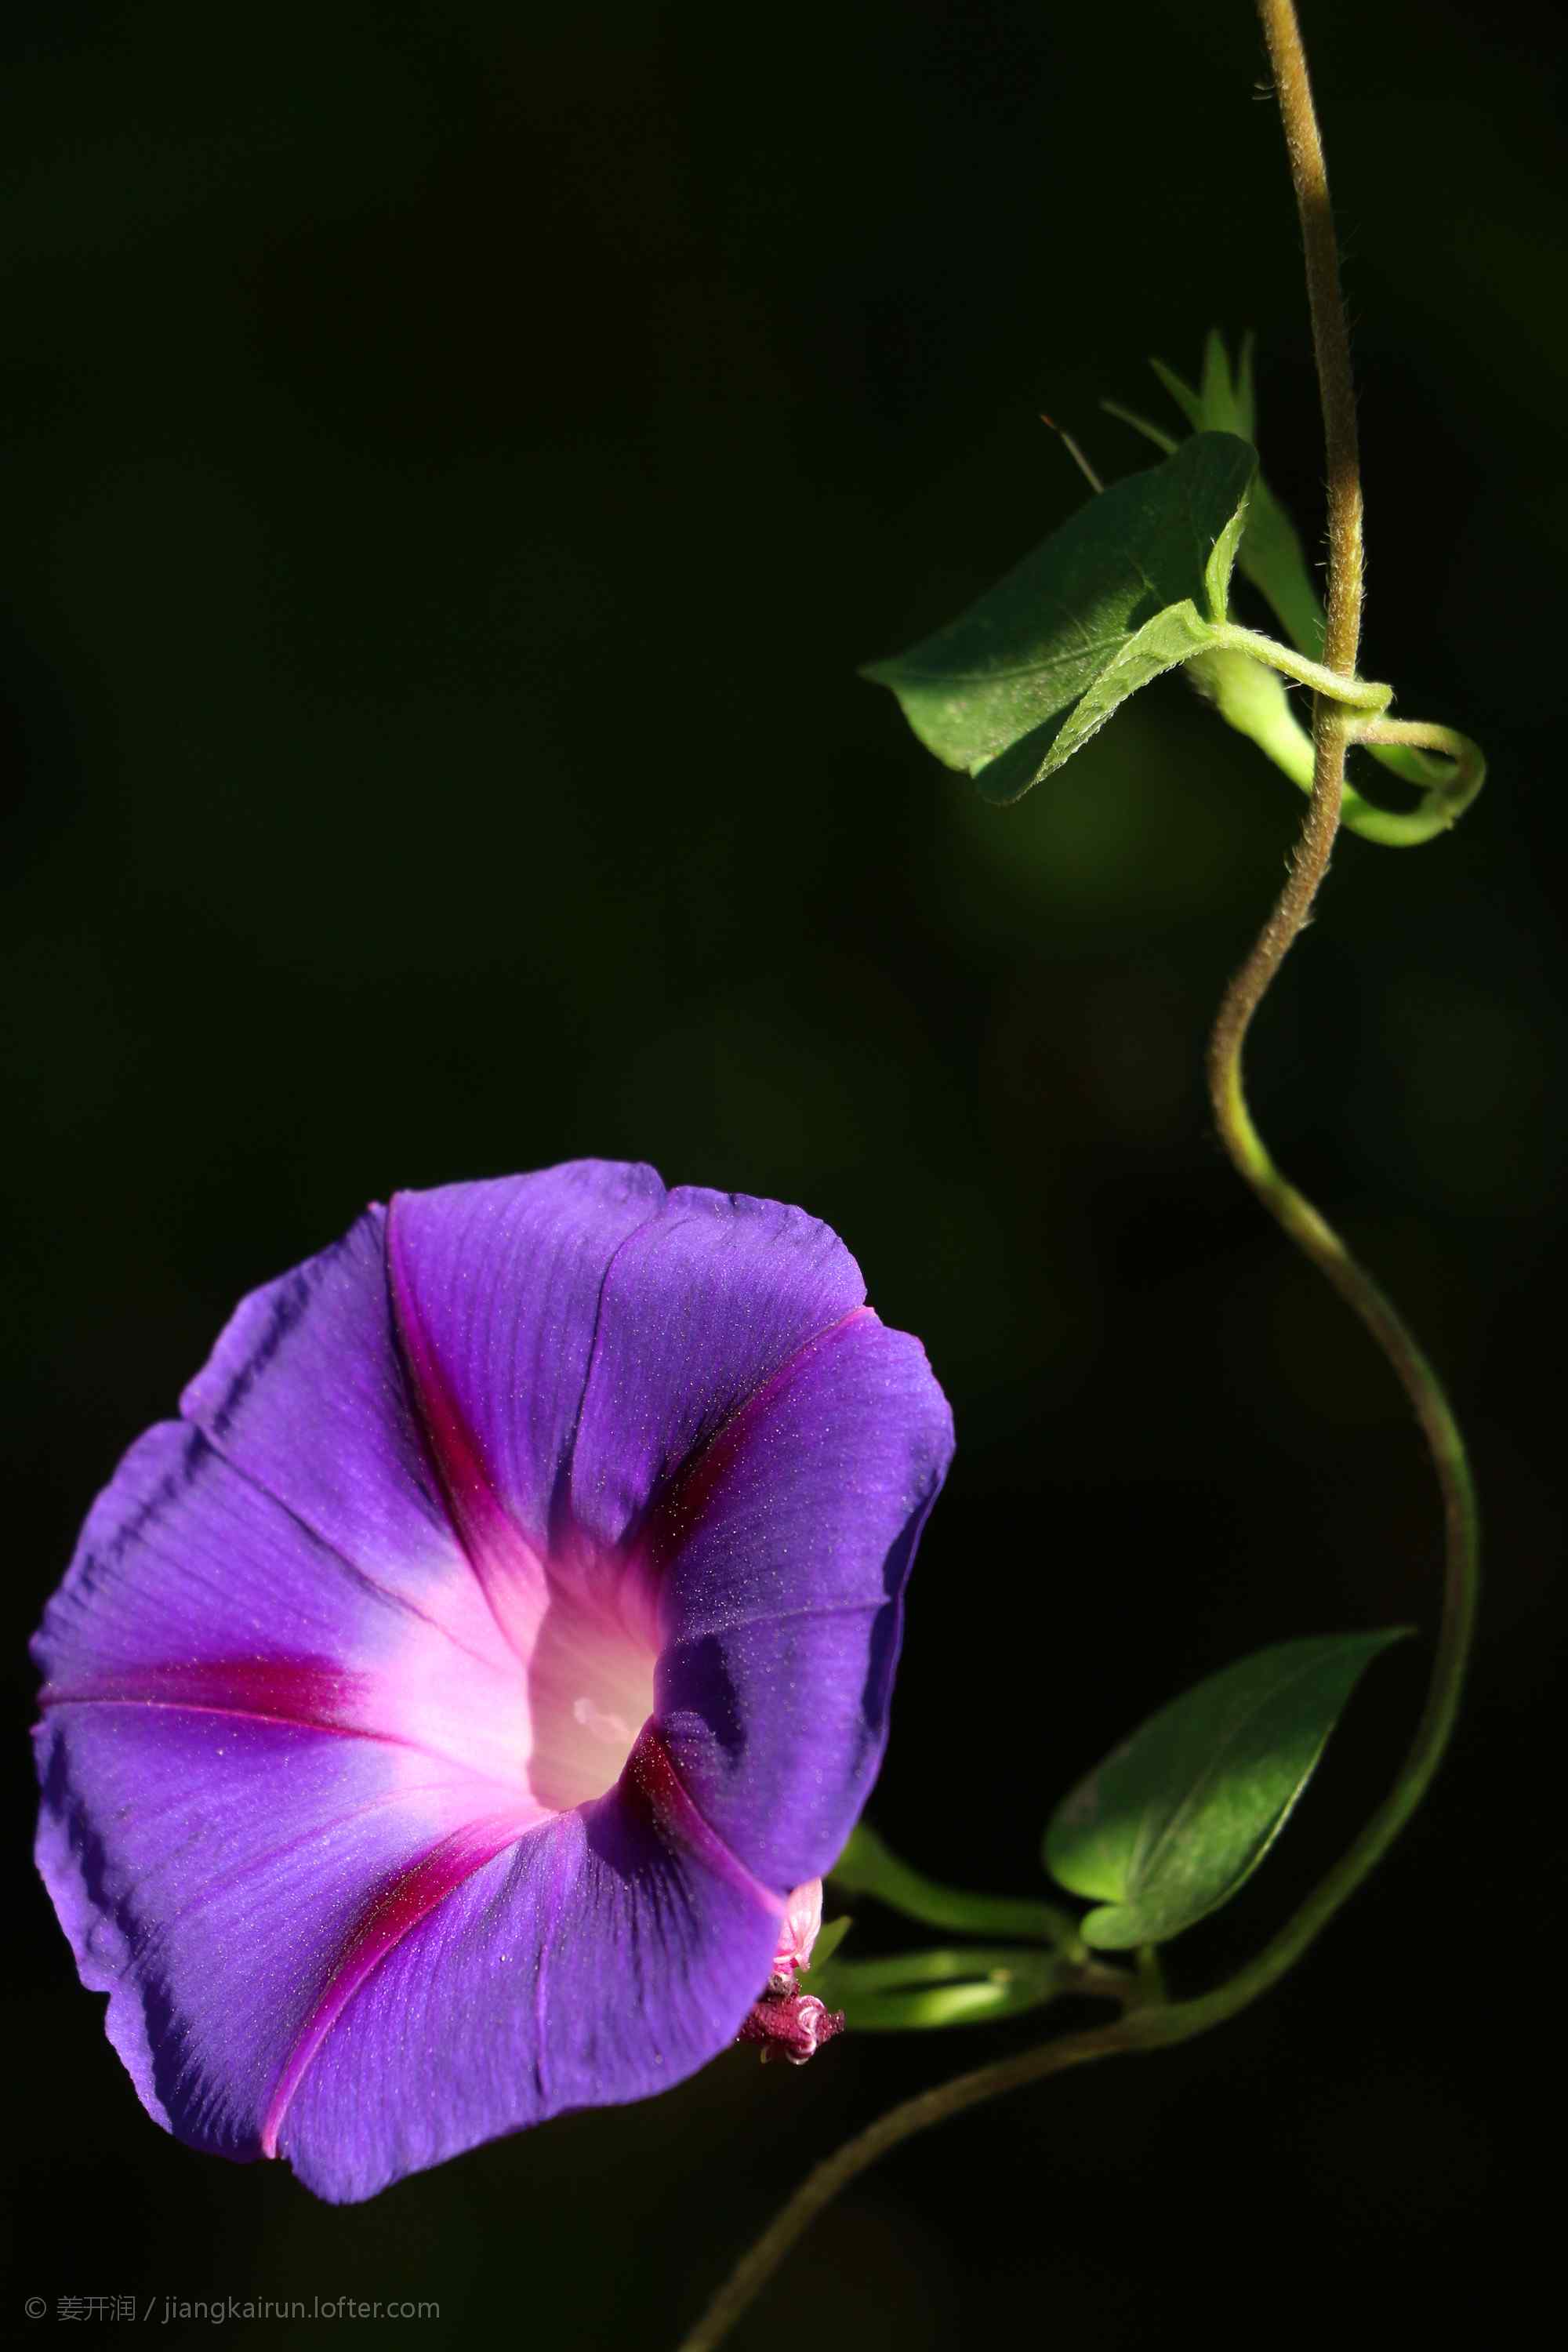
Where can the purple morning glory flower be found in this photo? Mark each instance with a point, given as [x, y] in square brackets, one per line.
[440, 1715]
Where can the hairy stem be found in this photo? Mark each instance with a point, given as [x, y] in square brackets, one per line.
[1458, 772]
[1341, 636]
[1358, 693]
[1446, 767]
[1335, 728]
[1148, 2021]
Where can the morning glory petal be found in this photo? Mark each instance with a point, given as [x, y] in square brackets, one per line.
[496, 1289]
[211, 1869]
[786, 1551]
[601, 1959]
[438, 1714]
[194, 1589]
[305, 1395]
[702, 1307]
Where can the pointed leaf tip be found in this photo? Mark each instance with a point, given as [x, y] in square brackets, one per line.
[1175, 1821]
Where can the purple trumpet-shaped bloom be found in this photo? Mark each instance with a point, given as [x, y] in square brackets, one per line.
[440, 1715]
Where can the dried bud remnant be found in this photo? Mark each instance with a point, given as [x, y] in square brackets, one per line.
[790, 2023]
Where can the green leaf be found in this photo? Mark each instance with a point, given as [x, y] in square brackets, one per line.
[1270, 554]
[1272, 558]
[1174, 1821]
[1127, 588]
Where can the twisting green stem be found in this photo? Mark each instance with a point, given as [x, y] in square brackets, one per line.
[1334, 729]
[1147, 2021]
[1356, 693]
[1251, 698]
[1342, 635]
[1331, 335]
[1456, 778]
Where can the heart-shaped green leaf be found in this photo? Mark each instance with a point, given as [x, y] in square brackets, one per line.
[1127, 588]
[1176, 1820]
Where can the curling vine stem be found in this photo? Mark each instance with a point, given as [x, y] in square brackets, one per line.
[1147, 2021]
[1357, 694]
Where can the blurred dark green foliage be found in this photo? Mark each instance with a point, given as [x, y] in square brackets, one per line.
[455, 458]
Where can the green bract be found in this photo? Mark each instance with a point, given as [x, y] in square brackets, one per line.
[1176, 1820]
[1270, 554]
[967, 1985]
[1128, 587]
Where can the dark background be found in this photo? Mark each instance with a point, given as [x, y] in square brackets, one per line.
[455, 455]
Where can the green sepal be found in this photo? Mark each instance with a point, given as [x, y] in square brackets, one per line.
[1128, 588]
[912, 1991]
[829, 1936]
[1176, 1820]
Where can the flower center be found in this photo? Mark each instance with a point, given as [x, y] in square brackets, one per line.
[590, 1691]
